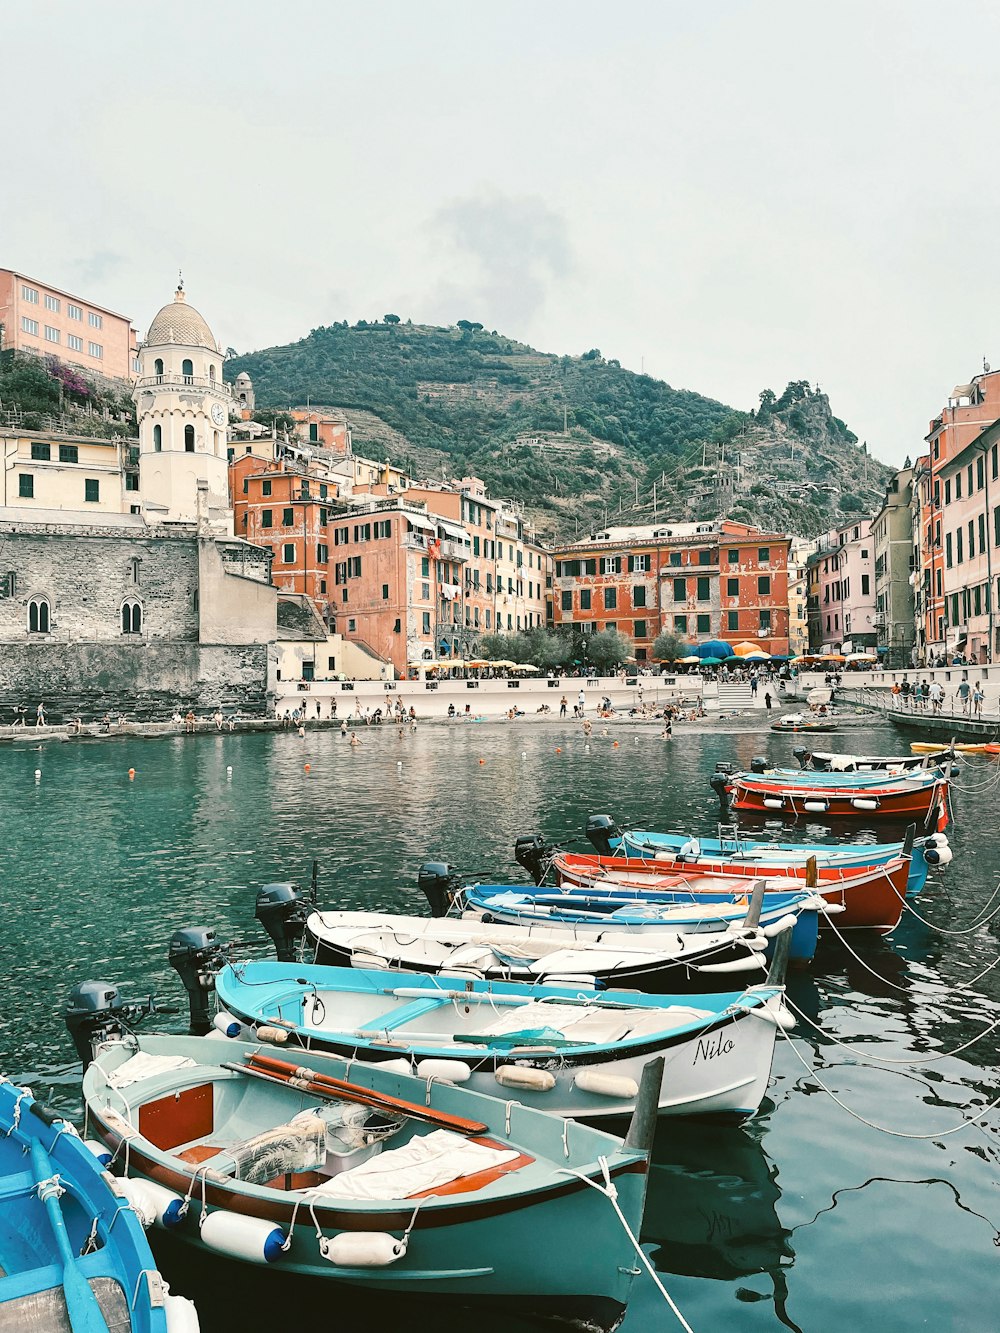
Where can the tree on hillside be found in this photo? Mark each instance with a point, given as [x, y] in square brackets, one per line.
[469, 326]
[670, 647]
[593, 355]
[390, 319]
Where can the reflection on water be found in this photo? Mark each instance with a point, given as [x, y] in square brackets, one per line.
[792, 1221]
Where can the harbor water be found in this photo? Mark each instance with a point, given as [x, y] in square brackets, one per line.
[806, 1218]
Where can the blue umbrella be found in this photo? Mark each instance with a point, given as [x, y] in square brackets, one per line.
[714, 648]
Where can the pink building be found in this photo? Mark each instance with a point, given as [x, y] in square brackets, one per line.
[49, 321]
[970, 519]
[842, 618]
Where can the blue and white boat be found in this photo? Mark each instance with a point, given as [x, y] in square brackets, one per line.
[716, 904]
[73, 1254]
[694, 851]
[569, 1050]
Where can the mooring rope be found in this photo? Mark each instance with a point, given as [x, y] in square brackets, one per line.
[888, 1059]
[610, 1192]
[964, 1123]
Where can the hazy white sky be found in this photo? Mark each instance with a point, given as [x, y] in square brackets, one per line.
[737, 192]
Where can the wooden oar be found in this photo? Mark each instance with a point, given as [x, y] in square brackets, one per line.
[354, 1092]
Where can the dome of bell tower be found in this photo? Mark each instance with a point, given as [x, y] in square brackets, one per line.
[179, 322]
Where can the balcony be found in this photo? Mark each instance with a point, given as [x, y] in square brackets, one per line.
[194, 382]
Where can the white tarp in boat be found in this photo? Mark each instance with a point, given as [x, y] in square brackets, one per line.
[422, 1164]
[143, 1065]
[592, 1023]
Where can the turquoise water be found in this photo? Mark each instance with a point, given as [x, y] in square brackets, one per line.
[805, 1219]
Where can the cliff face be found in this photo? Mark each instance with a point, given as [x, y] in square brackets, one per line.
[577, 439]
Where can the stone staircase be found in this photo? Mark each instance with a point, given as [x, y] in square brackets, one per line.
[737, 696]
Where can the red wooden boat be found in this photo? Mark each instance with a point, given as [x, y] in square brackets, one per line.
[871, 897]
[910, 796]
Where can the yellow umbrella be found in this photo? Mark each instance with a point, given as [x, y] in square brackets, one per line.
[503, 663]
[689, 661]
[478, 662]
[523, 666]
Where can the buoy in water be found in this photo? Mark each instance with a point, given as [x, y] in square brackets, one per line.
[38, 774]
[558, 749]
[614, 745]
[307, 767]
[524, 754]
[482, 761]
[229, 770]
[131, 775]
[399, 765]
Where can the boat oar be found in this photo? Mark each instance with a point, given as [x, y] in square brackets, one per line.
[85, 1315]
[354, 1092]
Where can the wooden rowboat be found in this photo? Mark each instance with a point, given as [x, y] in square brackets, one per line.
[350, 1172]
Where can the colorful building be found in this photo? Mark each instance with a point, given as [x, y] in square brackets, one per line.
[970, 520]
[842, 580]
[45, 471]
[721, 580]
[38, 318]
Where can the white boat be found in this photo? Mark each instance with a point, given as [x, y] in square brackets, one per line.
[574, 1052]
[475, 951]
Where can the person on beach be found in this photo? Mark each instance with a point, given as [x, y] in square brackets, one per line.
[768, 701]
[588, 727]
[354, 739]
[562, 706]
[343, 726]
[40, 715]
[581, 702]
[218, 719]
[188, 722]
[19, 716]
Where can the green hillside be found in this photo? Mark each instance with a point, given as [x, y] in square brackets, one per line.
[578, 440]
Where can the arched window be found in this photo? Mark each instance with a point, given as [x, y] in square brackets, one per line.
[158, 368]
[157, 438]
[189, 439]
[135, 564]
[211, 372]
[131, 617]
[38, 616]
[187, 370]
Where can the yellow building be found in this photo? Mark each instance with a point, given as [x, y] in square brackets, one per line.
[47, 471]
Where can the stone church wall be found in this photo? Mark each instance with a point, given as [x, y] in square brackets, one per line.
[145, 681]
[87, 572]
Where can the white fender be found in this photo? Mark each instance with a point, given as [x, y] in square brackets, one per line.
[864, 803]
[369, 962]
[100, 1150]
[450, 1071]
[783, 923]
[152, 1202]
[816, 807]
[226, 1024]
[242, 1237]
[182, 1317]
[606, 1085]
[395, 1066]
[362, 1249]
[938, 856]
[523, 1076]
[774, 802]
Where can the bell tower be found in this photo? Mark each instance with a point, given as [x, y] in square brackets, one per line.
[182, 405]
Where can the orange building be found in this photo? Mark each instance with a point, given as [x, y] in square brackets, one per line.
[323, 427]
[277, 504]
[700, 580]
[43, 319]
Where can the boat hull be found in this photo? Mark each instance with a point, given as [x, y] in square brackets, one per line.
[908, 802]
[868, 900]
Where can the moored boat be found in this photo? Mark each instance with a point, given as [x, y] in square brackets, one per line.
[804, 722]
[470, 949]
[571, 1051]
[735, 849]
[991, 748]
[73, 1255]
[706, 903]
[910, 796]
[365, 1176]
[826, 761]
[870, 898]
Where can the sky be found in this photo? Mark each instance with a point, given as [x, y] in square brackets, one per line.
[729, 195]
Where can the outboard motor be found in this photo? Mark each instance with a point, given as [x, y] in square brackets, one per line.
[718, 785]
[533, 853]
[600, 829]
[196, 956]
[95, 1011]
[438, 883]
[282, 910]
[758, 764]
[802, 755]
